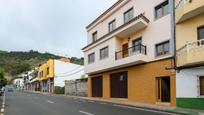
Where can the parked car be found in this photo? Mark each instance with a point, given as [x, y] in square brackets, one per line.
[9, 88]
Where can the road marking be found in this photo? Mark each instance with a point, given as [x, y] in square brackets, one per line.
[84, 112]
[2, 110]
[91, 101]
[103, 103]
[123, 106]
[3, 104]
[50, 101]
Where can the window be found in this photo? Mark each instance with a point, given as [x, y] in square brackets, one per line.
[162, 48]
[48, 70]
[94, 36]
[201, 35]
[202, 86]
[104, 53]
[41, 73]
[162, 9]
[128, 15]
[137, 44]
[111, 26]
[91, 58]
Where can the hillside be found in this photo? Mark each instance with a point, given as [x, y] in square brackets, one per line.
[14, 63]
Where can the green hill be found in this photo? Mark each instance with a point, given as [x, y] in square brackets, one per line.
[14, 63]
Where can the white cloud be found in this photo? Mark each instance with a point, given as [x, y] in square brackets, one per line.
[56, 26]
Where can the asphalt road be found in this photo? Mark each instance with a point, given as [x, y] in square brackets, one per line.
[17, 103]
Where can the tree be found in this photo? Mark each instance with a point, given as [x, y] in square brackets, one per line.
[3, 80]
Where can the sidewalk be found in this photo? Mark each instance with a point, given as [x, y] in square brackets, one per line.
[125, 103]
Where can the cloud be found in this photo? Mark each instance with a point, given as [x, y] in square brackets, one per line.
[56, 26]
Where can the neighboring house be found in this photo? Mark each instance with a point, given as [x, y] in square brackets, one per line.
[19, 83]
[27, 77]
[190, 53]
[130, 52]
[78, 87]
[53, 73]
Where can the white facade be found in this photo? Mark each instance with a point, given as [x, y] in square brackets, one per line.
[187, 82]
[153, 32]
[66, 71]
[19, 83]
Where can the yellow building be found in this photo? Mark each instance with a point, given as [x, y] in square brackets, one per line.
[189, 19]
[46, 76]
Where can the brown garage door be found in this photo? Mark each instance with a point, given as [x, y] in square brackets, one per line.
[97, 86]
[119, 85]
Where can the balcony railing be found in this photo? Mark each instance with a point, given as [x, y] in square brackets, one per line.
[134, 50]
[181, 3]
[192, 52]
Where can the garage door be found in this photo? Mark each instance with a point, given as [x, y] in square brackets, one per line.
[97, 86]
[119, 85]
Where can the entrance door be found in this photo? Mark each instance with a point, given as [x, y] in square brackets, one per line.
[125, 50]
[163, 89]
[97, 86]
[119, 85]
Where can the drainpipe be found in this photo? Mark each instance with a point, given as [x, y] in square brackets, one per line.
[174, 33]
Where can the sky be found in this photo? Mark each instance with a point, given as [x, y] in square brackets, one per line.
[54, 26]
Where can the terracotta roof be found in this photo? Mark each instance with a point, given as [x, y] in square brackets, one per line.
[134, 19]
[65, 59]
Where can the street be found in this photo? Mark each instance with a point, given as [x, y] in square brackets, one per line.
[18, 103]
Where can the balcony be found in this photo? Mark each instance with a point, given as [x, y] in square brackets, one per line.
[186, 9]
[125, 30]
[191, 54]
[135, 50]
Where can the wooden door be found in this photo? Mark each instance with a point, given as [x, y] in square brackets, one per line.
[125, 50]
[97, 86]
[202, 86]
[163, 89]
[119, 85]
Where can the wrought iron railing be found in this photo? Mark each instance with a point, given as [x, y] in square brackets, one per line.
[134, 50]
[182, 3]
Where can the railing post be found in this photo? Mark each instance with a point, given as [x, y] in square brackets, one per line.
[115, 55]
[140, 48]
[145, 50]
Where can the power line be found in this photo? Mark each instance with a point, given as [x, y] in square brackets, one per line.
[70, 74]
[70, 70]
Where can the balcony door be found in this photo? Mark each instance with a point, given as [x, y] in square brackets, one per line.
[125, 50]
[201, 35]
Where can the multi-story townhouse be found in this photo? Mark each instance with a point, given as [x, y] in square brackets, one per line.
[54, 72]
[130, 52]
[189, 21]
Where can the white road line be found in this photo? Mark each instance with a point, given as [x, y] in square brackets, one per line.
[123, 106]
[50, 101]
[2, 110]
[91, 101]
[103, 103]
[84, 112]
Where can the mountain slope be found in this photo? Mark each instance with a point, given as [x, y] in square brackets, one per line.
[14, 63]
